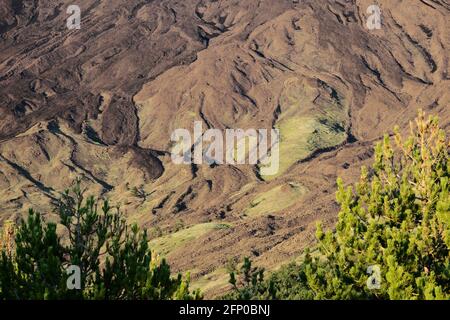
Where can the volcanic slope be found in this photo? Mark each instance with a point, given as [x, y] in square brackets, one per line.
[101, 103]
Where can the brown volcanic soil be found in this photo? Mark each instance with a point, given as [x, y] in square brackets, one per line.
[101, 103]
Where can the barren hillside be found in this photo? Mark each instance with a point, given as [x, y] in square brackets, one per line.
[101, 103]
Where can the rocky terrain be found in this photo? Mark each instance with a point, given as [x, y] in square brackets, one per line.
[101, 103]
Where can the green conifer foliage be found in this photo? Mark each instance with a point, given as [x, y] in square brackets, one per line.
[114, 260]
[396, 220]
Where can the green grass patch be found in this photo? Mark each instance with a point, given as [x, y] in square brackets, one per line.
[275, 200]
[215, 280]
[312, 118]
[166, 244]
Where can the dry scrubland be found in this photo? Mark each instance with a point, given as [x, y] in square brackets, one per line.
[101, 102]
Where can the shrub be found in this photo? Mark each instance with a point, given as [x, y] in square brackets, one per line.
[114, 259]
[395, 222]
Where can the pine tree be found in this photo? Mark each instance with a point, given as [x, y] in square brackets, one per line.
[114, 259]
[7, 237]
[248, 283]
[394, 225]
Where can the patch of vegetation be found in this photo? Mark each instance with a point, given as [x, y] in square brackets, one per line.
[179, 225]
[275, 200]
[156, 232]
[165, 244]
[312, 118]
[289, 283]
[216, 279]
[223, 226]
[294, 136]
[139, 192]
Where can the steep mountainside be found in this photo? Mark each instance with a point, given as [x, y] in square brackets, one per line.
[102, 102]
